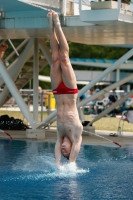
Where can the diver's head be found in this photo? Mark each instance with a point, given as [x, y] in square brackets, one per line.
[66, 147]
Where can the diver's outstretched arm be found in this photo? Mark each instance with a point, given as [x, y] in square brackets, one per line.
[58, 154]
[75, 150]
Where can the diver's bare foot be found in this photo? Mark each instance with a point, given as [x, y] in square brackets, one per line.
[49, 16]
[55, 18]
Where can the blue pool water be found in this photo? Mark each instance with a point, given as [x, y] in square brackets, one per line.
[27, 172]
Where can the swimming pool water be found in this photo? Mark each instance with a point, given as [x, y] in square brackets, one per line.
[27, 172]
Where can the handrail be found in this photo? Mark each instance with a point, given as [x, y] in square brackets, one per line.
[80, 6]
[119, 4]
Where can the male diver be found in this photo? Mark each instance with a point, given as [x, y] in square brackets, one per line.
[69, 127]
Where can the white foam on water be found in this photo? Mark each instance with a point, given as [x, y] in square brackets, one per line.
[39, 163]
[69, 170]
[64, 171]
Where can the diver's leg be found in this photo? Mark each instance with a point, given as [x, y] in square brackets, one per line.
[55, 71]
[68, 74]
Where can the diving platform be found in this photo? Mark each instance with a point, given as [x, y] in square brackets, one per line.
[107, 11]
[91, 23]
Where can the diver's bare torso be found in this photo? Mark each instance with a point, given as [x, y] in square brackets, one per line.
[68, 123]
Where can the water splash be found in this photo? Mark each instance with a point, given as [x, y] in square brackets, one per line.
[31, 164]
[71, 169]
[64, 171]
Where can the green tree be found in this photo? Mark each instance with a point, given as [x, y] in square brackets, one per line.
[77, 51]
[93, 51]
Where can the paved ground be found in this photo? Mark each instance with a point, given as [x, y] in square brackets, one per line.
[15, 108]
[50, 136]
[125, 138]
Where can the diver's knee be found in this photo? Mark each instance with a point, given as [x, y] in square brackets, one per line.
[55, 58]
[64, 56]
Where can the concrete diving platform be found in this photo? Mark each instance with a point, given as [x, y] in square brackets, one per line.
[126, 140]
[104, 11]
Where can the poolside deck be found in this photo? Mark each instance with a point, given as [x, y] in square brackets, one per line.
[126, 140]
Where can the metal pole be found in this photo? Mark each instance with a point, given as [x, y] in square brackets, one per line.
[42, 105]
[119, 4]
[105, 72]
[48, 119]
[81, 114]
[128, 88]
[105, 90]
[47, 124]
[80, 111]
[45, 51]
[2, 42]
[63, 7]
[14, 91]
[80, 6]
[49, 103]
[35, 81]
[15, 69]
[16, 66]
[13, 47]
[120, 101]
[117, 79]
[18, 48]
